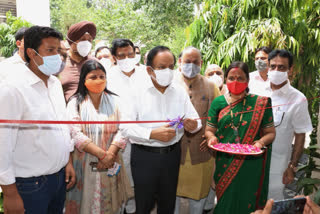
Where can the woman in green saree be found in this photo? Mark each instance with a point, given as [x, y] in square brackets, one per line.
[239, 117]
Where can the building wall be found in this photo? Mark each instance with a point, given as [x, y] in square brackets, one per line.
[7, 5]
[35, 11]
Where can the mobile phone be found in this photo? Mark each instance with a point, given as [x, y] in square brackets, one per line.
[289, 206]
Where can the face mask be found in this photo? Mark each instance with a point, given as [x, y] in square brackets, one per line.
[216, 79]
[277, 77]
[138, 58]
[163, 77]
[51, 64]
[84, 48]
[236, 87]
[95, 86]
[190, 70]
[106, 63]
[62, 66]
[260, 65]
[127, 65]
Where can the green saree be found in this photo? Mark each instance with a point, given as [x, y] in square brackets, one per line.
[241, 181]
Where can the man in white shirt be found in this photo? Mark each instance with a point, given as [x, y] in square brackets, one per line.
[155, 155]
[291, 119]
[259, 82]
[122, 79]
[35, 168]
[17, 58]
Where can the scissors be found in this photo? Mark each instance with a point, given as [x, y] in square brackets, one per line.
[179, 123]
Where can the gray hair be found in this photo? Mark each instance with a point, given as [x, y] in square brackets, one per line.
[191, 48]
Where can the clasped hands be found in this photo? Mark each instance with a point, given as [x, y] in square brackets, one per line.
[107, 161]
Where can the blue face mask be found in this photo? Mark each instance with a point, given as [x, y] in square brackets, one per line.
[51, 64]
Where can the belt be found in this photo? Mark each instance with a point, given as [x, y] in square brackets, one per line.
[159, 150]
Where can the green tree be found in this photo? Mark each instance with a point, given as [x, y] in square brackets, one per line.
[122, 19]
[7, 32]
[229, 30]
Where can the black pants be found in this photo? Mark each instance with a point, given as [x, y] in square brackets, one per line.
[155, 178]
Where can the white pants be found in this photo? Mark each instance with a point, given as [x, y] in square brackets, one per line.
[131, 203]
[197, 206]
[276, 187]
[210, 202]
[131, 206]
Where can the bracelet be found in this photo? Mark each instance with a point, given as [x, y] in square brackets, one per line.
[105, 154]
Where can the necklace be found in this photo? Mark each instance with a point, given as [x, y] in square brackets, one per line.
[236, 127]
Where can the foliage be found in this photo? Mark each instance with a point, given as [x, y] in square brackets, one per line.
[119, 19]
[1, 202]
[168, 14]
[229, 30]
[7, 32]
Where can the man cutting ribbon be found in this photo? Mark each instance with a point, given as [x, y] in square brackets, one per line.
[155, 155]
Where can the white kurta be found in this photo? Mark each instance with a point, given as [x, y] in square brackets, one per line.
[258, 86]
[291, 115]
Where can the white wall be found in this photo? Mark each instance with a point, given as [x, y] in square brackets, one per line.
[35, 11]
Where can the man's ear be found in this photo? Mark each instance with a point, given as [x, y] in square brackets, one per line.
[115, 59]
[18, 43]
[149, 70]
[290, 72]
[31, 53]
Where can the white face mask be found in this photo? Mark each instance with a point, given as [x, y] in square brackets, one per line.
[277, 77]
[127, 64]
[106, 63]
[190, 70]
[84, 48]
[260, 65]
[51, 64]
[138, 58]
[216, 79]
[163, 77]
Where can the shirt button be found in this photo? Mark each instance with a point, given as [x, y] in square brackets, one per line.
[189, 141]
[190, 96]
[190, 86]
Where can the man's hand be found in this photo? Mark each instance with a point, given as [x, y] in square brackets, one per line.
[12, 203]
[288, 176]
[190, 124]
[267, 209]
[212, 141]
[204, 145]
[311, 207]
[163, 133]
[70, 174]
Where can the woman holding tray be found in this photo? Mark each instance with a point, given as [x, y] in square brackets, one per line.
[102, 186]
[240, 117]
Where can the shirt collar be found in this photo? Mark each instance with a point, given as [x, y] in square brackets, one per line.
[149, 85]
[283, 90]
[32, 78]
